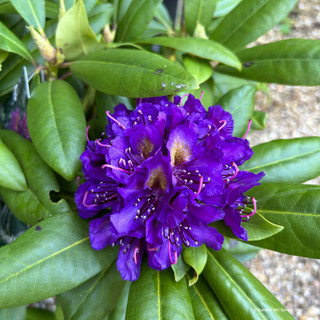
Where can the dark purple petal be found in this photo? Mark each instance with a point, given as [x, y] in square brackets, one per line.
[129, 259]
[233, 219]
[101, 233]
[222, 120]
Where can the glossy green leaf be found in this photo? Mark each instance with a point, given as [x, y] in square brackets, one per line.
[196, 257]
[202, 48]
[287, 160]
[257, 228]
[74, 35]
[240, 103]
[205, 304]
[57, 126]
[198, 11]
[223, 7]
[32, 11]
[241, 295]
[292, 62]
[34, 203]
[259, 120]
[11, 174]
[136, 19]
[146, 74]
[119, 312]
[39, 314]
[242, 251]
[297, 208]
[50, 258]
[155, 295]
[99, 16]
[199, 68]
[249, 20]
[95, 298]
[163, 16]
[10, 42]
[224, 83]
[18, 313]
[179, 269]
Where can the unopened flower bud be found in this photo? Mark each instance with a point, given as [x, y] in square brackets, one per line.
[46, 49]
[108, 34]
[200, 31]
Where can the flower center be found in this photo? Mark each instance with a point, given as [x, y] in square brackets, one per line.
[145, 147]
[157, 179]
[180, 153]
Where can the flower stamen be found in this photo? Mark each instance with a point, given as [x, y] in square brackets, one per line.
[115, 120]
[136, 251]
[185, 95]
[201, 96]
[223, 124]
[248, 130]
[200, 186]
[114, 168]
[85, 199]
[151, 249]
[101, 144]
[174, 253]
[236, 172]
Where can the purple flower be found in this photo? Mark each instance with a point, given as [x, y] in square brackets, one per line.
[159, 176]
[18, 123]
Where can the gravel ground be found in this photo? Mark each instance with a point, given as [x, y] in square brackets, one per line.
[292, 112]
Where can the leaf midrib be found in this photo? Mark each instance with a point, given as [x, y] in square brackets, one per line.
[194, 287]
[235, 284]
[18, 45]
[291, 213]
[44, 259]
[282, 160]
[243, 22]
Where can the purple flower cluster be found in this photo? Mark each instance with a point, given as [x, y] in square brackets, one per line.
[159, 176]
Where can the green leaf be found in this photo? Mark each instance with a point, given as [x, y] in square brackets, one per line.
[48, 259]
[18, 313]
[99, 16]
[155, 295]
[163, 16]
[206, 49]
[119, 312]
[95, 298]
[223, 7]
[39, 314]
[204, 302]
[32, 11]
[34, 203]
[11, 174]
[136, 19]
[200, 69]
[224, 83]
[249, 20]
[242, 251]
[259, 120]
[196, 257]
[198, 11]
[146, 74]
[257, 228]
[240, 103]
[292, 62]
[179, 269]
[57, 126]
[74, 35]
[287, 160]
[10, 42]
[297, 208]
[241, 295]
